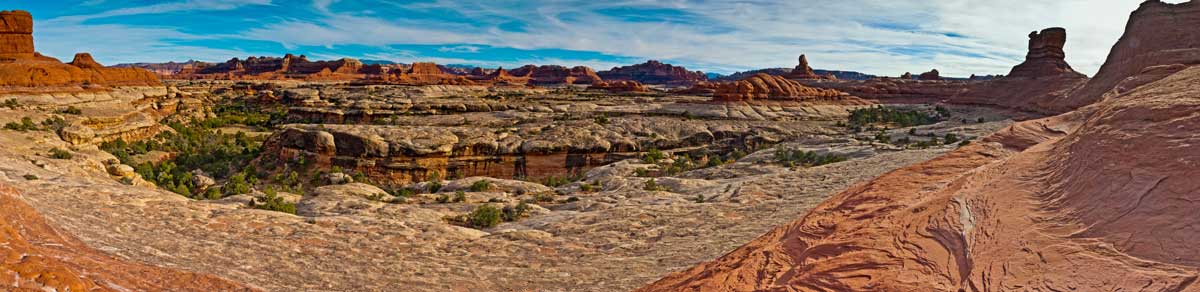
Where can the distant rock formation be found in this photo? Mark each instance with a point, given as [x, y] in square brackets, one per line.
[555, 74]
[803, 71]
[620, 86]
[825, 74]
[931, 75]
[23, 69]
[906, 76]
[290, 66]
[1046, 57]
[425, 73]
[654, 72]
[1035, 85]
[765, 86]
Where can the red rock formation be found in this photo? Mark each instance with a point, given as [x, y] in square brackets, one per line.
[23, 69]
[803, 71]
[35, 256]
[764, 86]
[290, 66]
[425, 73]
[1034, 85]
[906, 76]
[16, 34]
[620, 86]
[1160, 39]
[931, 75]
[554, 74]
[654, 72]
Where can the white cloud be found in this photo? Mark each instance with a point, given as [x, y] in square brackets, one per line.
[459, 49]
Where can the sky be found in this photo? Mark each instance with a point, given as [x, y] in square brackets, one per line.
[882, 37]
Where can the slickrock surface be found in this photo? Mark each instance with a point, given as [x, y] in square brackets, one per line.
[37, 257]
[654, 72]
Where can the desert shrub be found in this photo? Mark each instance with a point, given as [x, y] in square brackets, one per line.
[11, 103]
[443, 199]
[434, 187]
[653, 156]
[793, 157]
[460, 197]
[715, 161]
[26, 124]
[30, 177]
[558, 181]
[236, 185]
[601, 120]
[481, 185]
[71, 110]
[271, 201]
[59, 153]
[950, 138]
[880, 115]
[514, 213]
[652, 185]
[484, 216]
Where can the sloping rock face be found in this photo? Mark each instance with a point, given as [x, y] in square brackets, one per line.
[654, 72]
[554, 74]
[1036, 84]
[1094, 200]
[24, 70]
[16, 34]
[620, 86]
[763, 86]
[35, 256]
[1159, 39]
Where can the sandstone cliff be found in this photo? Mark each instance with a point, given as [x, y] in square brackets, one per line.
[620, 86]
[1035, 85]
[654, 72]
[554, 74]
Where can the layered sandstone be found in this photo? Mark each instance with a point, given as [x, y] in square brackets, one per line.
[289, 66]
[34, 256]
[620, 86]
[16, 34]
[555, 74]
[654, 72]
[425, 73]
[763, 86]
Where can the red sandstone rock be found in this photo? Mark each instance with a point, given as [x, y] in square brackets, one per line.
[35, 256]
[620, 86]
[1046, 57]
[803, 71]
[764, 86]
[16, 34]
[906, 76]
[554, 74]
[654, 72]
[1034, 85]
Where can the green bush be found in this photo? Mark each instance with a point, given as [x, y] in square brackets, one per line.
[11, 103]
[511, 214]
[59, 153]
[484, 216]
[30, 177]
[71, 110]
[236, 185]
[434, 187]
[804, 158]
[26, 124]
[864, 117]
[481, 185]
[271, 201]
[653, 156]
[652, 185]
[460, 197]
[951, 138]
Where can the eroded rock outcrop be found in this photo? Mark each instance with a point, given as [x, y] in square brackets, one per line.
[803, 71]
[555, 74]
[654, 72]
[763, 86]
[931, 75]
[24, 70]
[1034, 85]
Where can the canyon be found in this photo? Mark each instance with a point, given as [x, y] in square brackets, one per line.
[291, 174]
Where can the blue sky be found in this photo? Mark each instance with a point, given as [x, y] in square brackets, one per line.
[958, 37]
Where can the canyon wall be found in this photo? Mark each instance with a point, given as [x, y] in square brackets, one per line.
[654, 72]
